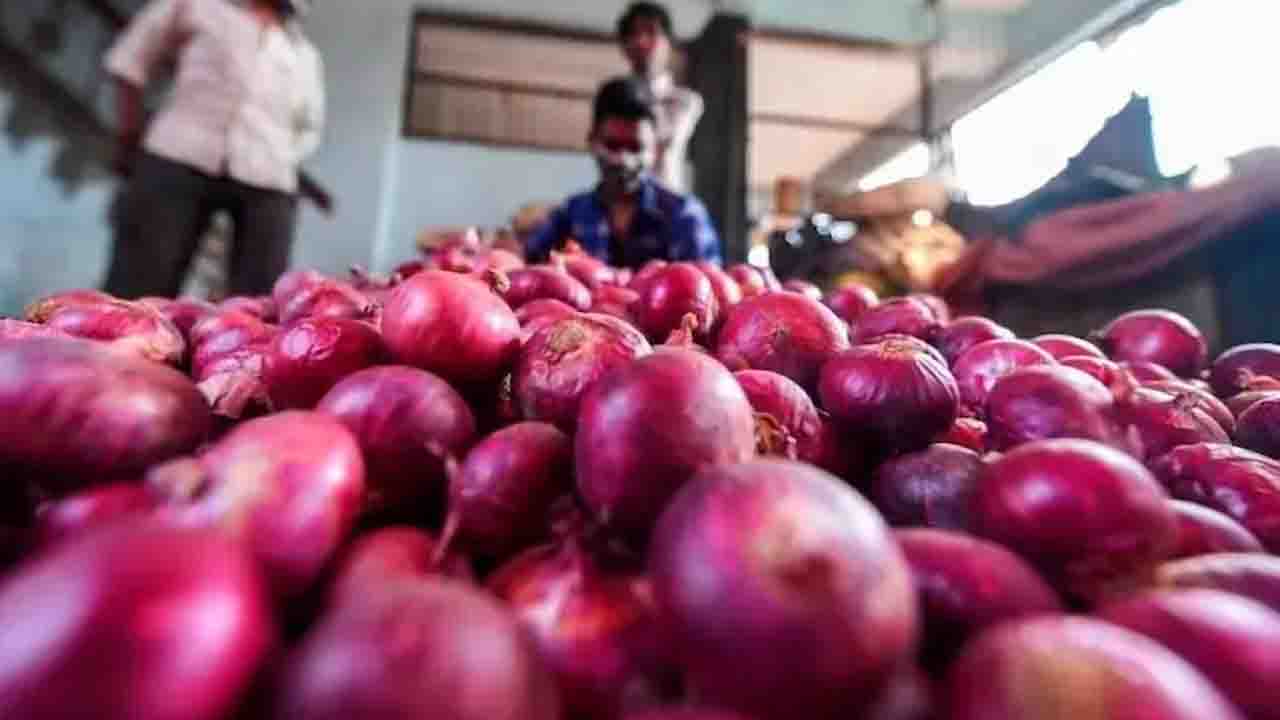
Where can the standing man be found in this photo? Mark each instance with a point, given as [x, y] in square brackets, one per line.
[247, 106]
[646, 37]
[629, 218]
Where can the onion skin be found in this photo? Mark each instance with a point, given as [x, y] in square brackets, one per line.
[1091, 518]
[790, 417]
[130, 327]
[138, 621]
[1234, 641]
[647, 427]
[1203, 531]
[685, 714]
[537, 309]
[452, 326]
[389, 555]
[941, 310]
[966, 432]
[11, 329]
[1233, 369]
[424, 649]
[965, 332]
[1079, 668]
[929, 488]
[184, 313]
[898, 316]
[75, 514]
[977, 370]
[308, 358]
[327, 298]
[784, 333]
[1147, 372]
[726, 289]
[1201, 399]
[561, 361]
[851, 301]
[596, 628]
[1242, 484]
[289, 485]
[101, 417]
[966, 585]
[586, 269]
[293, 282]
[501, 496]
[1161, 337]
[1104, 371]
[1062, 347]
[1252, 575]
[783, 590]
[541, 282]
[891, 392]
[614, 301]
[671, 293]
[1259, 427]
[1237, 404]
[1043, 402]
[404, 419]
[803, 287]
[1161, 422]
[263, 308]
[750, 280]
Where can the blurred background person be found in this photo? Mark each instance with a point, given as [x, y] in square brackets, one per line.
[629, 218]
[646, 37]
[246, 107]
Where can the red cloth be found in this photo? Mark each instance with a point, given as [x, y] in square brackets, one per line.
[1110, 243]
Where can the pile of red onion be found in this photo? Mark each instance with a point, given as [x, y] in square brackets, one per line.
[471, 489]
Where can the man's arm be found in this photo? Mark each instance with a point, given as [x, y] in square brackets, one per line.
[153, 35]
[694, 237]
[545, 239]
[311, 115]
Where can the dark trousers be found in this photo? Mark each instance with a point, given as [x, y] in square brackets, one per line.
[164, 212]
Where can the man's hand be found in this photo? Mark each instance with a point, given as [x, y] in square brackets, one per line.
[312, 191]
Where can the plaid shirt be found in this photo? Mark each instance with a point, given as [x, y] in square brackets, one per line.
[247, 101]
[666, 226]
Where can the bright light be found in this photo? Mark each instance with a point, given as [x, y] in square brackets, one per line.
[759, 256]
[906, 165]
[922, 218]
[843, 232]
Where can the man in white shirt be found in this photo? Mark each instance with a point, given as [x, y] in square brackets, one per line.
[246, 107]
[645, 34]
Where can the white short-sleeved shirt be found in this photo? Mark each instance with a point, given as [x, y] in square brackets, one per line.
[247, 100]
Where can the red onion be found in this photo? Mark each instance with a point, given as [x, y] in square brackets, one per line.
[263, 308]
[309, 357]
[967, 585]
[328, 299]
[538, 314]
[293, 282]
[785, 416]
[965, 332]
[289, 485]
[1075, 667]
[405, 421]
[595, 627]
[1252, 575]
[725, 287]
[1161, 337]
[668, 295]
[542, 282]
[803, 287]
[784, 333]
[645, 272]
[685, 713]
[406, 270]
[229, 358]
[1090, 517]
[589, 271]
[75, 514]
[389, 555]
[615, 301]
[1259, 427]
[139, 621]
[1148, 372]
[1242, 484]
[1234, 641]
[501, 496]
[1233, 369]
[130, 327]
[783, 590]
[750, 280]
[834, 451]
[503, 261]
[1160, 422]
[941, 310]
[1237, 404]
[1202, 531]
[930, 488]
[21, 330]
[1043, 402]
[560, 362]
[851, 301]
[451, 325]
[76, 416]
[1062, 347]
[977, 370]
[224, 333]
[645, 428]
[898, 316]
[966, 432]
[1104, 371]
[184, 313]
[426, 649]
[1201, 399]
[890, 391]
